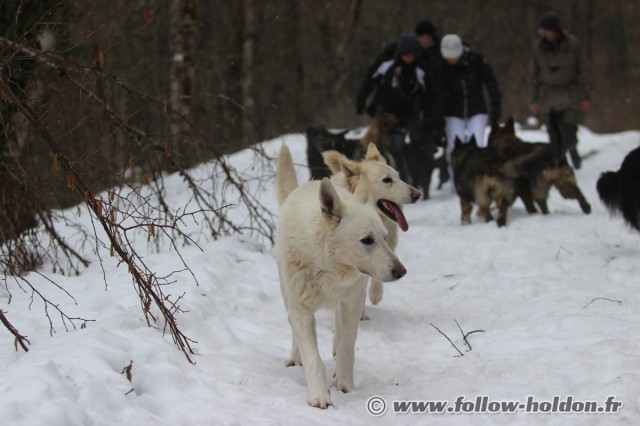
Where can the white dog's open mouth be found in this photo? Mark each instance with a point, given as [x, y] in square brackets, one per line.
[393, 212]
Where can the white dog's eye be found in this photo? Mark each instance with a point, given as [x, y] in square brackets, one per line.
[387, 180]
[368, 240]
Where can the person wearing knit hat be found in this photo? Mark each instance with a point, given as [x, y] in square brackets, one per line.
[560, 84]
[426, 33]
[409, 45]
[549, 21]
[398, 84]
[426, 122]
[466, 74]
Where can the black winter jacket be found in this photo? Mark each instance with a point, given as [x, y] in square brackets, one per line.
[463, 87]
[399, 90]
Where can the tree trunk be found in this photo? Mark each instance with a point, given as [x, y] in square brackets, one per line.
[248, 48]
[183, 44]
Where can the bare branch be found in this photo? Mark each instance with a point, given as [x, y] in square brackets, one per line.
[619, 302]
[447, 337]
[19, 339]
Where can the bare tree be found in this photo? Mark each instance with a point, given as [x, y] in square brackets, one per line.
[183, 43]
[129, 202]
[249, 35]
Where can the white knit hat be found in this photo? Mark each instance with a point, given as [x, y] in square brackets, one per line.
[451, 46]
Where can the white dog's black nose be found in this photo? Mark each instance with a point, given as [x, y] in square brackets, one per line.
[415, 194]
[398, 271]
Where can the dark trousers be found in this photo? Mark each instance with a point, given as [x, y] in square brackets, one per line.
[398, 151]
[562, 126]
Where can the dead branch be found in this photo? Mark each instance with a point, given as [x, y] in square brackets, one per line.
[619, 302]
[447, 337]
[559, 250]
[19, 338]
[465, 335]
[147, 285]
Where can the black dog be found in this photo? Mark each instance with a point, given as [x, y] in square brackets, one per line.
[319, 139]
[620, 191]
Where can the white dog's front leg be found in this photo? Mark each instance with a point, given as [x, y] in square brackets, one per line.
[375, 292]
[303, 324]
[350, 309]
[294, 360]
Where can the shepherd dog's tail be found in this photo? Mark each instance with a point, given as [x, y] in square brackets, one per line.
[286, 179]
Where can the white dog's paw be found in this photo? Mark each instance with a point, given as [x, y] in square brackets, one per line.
[364, 317]
[344, 386]
[375, 292]
[322, 402]
[293, 363]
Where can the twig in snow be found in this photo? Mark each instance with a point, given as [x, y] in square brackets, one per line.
[446, 337]
[619, 302]
[465, 335]
[127, 371]
[558, 252]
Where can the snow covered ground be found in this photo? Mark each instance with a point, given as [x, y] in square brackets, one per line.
[557, 298]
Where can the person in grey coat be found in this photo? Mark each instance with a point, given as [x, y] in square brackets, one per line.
[560, 83]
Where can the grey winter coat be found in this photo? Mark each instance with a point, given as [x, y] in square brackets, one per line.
[559, 74]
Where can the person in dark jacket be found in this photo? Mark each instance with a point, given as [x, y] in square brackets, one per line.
[560, 83]
[399, 85]
[427, 132]
[465, 74]
[426, 128]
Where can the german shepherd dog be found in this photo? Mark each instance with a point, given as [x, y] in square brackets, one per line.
[327, 242]
[620, 191]
[388, 191]
[536, 167]
[319, 139]
[379, 134]
[479, 177]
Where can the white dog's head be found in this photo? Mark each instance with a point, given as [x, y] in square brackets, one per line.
[388, 190]
[356, 232]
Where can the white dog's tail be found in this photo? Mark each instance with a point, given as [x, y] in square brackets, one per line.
[286, 179]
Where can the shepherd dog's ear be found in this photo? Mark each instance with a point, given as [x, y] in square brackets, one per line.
[457, 143]
[510, 126]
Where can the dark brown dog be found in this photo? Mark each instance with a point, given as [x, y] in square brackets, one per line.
[479, 178]
[379, 134]
[535, 168]
[319, 140]
[620, 191]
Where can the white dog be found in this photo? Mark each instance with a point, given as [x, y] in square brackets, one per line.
[327, 240]
[389, 193]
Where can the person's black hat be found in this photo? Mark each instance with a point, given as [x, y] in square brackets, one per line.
[408, 44]
[550, 21]
[425, 27]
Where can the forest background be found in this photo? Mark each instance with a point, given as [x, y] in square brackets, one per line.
[126, 89]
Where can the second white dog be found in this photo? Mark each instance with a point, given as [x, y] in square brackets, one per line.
[389, 194]
[327, 239]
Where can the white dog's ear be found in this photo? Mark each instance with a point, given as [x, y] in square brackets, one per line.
[363, 190]
[350, 168]
[373, 154]
[333, 159]
[330, 202]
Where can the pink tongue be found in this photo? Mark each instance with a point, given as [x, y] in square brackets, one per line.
[402, 221]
